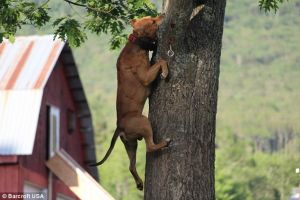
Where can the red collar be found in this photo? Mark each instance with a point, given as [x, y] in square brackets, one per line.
[132, 37]
[145, 43]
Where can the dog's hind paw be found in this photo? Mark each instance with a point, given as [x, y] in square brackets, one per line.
[140, 186]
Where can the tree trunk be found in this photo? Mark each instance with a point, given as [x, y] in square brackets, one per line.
[184, 107]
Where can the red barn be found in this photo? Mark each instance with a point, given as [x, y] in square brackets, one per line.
[44, 116]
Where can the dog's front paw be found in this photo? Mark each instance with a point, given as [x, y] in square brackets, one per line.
[164, 75]
[164, 68]
[168, 141]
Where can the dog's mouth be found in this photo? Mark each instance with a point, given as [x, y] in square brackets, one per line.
[147, 43]
[148, 40]
[150, 37]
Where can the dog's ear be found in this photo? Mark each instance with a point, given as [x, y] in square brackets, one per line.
[132, 22]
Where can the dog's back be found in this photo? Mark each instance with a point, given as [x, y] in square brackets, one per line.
[131, 93]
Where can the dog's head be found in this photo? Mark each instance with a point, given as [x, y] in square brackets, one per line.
[146, 26]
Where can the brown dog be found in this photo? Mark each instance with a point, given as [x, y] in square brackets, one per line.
[135, 75]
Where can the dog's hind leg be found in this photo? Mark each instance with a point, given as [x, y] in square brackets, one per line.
[151, 146]
[131, 147]
[147, 133]
[139, 126]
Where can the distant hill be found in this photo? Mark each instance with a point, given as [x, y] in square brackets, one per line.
[258, 120]
[258, 111]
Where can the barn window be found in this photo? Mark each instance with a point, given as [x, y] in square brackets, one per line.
[31, 188]
[54, 127]
[71, 121]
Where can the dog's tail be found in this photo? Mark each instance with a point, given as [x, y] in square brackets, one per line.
[112, 144]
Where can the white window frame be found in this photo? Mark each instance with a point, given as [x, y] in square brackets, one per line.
[60, 196]
[31, 187]
[54, 117]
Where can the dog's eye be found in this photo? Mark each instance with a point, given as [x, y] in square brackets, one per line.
[153, 21]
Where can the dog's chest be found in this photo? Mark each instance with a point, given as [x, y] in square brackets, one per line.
[144, 58]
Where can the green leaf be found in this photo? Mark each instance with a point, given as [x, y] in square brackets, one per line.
[58, 21]
[11, 38]
[70, 29]
[1, 37]
[268, 5]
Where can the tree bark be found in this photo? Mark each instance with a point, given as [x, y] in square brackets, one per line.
[184, 107]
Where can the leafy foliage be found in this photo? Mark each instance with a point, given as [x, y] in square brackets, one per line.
[106, 16]
[14, 14]
[268, 5]
[69, 29]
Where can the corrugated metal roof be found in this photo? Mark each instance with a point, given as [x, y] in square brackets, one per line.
[28, 62]
[19, 113]
[25, 67]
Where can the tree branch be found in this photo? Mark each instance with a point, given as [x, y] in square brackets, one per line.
[90, 8]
